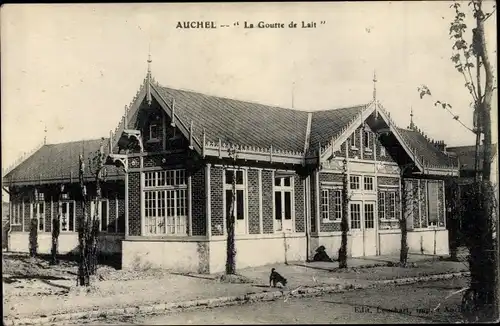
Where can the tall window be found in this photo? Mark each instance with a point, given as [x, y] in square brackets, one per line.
[337, 204]
[354, 181]
[325, 210]
[355, 216]
[67, 216]
[367, 140]
[102, 213]
[391, 205]
[353, 140]
[368, 183]
[165, 202]
[283, 194]
[17, 214]
[433, 203]
[381, 205]
[39, 213]
[239, 204]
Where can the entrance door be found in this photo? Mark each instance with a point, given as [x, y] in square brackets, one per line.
[356, 228]
[370, 233]
[363, 231]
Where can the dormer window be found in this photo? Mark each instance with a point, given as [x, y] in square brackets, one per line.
[354, 141]
[367, 140]
[153, 131]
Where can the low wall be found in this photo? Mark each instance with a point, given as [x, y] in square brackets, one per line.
[252, 251]
[109, 244]
[179, 255]
[428, 242]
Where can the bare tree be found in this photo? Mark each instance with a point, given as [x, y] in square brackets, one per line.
[344, 223]
[231, 247]
[483, 248]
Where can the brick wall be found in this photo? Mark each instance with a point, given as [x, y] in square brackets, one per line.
[48, 213]
[134, 203]
[267, 201]
[388, 181]
[216, 192]
[253, 202]
[299, 204]
[121, 215]
[198, 215]
[111, 216]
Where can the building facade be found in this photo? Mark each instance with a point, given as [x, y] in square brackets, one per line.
[176, 153]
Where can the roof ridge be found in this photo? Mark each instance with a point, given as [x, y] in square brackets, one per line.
[230, 98]
[259, 103]
[77, 141]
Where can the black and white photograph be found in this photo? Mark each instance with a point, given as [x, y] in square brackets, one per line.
[249, 163]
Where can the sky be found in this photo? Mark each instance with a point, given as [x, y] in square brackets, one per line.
[73, 68]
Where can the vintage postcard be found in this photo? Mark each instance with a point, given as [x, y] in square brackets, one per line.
[250, 163]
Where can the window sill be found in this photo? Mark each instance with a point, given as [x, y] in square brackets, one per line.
[153, 141]
[354, 148]
[368, 150]
[389, 220]
[331, 221]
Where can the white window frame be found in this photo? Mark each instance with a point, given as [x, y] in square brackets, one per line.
[353, 141]
[238, 186]
[284, 189]
[102, 201]
[436, 224]
[16, 218]
[172, 181]
[393, 212]
[37, 214]
[351, 183]
[325, 205]
[151, 126]
[381, 210]
[360, 205]
[67, 202]
[337, 207]
[373, 205]
[369, 177]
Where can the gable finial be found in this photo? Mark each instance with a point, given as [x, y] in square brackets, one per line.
[148, 83]
[374, 85]
[412, 125]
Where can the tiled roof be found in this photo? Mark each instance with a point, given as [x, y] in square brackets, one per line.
[329, 123]
[58, 162]
[466, 155]
[433, 157]
[239, 122]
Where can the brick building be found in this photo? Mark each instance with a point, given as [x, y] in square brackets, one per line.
[175, 153]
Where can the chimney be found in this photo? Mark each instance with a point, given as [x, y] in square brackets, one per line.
[440, 145]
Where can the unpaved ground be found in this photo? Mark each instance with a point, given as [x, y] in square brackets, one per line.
[425, 302]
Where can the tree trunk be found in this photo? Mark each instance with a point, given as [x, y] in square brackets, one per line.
[55, 240]
[344, 224]
[403, 254]
[33, 237]
[83, 228]
[231, 250]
